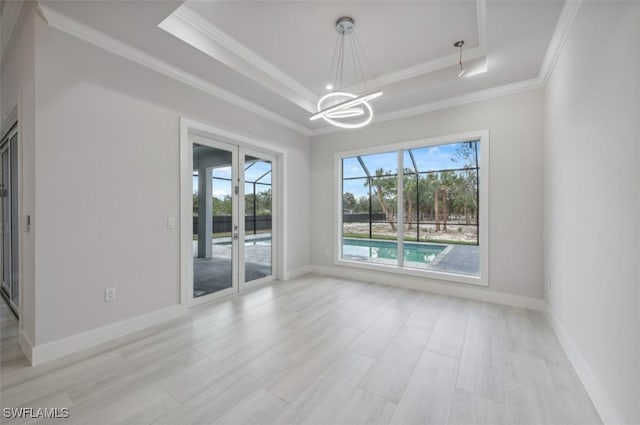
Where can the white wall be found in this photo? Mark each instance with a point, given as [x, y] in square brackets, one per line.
[17, 82]
[592, 208]
[107, 159]
[515, 123]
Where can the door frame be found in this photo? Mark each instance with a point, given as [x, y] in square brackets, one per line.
[190, 130]
[8, 129]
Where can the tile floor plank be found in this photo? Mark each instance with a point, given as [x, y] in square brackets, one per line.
[373, 342]
[315, 349]
[430, 392]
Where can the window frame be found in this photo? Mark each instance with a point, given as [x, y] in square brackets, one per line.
[483, 231]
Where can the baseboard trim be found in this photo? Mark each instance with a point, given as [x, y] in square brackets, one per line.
[432, 285]
[294, 273]
[53, 350]
[598, 395]
[25, 345]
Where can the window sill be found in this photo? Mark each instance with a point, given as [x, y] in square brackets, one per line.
[450, 277]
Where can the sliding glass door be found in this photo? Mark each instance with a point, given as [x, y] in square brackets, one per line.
[232, 218]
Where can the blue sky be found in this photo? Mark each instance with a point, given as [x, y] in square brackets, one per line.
[222, 188]
[427, 159]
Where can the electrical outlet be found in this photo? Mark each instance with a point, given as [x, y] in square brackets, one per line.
[109, 294]
[171, 223]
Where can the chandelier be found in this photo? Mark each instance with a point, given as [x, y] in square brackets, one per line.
[340, 107]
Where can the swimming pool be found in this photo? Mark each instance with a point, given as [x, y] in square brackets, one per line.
[365, 249]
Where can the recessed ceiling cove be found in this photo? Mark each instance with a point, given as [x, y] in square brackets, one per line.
[273, 57]
[285, 45]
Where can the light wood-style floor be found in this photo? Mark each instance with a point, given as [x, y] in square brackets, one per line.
[315, 350]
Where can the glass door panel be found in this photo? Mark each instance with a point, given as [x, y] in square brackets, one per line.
[258, 217]
[5, 209]
[13, 200]
[215, 227]
[9, 231]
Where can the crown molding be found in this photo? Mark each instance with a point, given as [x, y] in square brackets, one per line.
[480, 51]
[507, 89]
[81, 31]
[560, 34]
[196, 31]
[422, 69]
[9, 18]
[190, 27]
[74, 28]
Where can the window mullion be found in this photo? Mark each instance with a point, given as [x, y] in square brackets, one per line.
[400, 210]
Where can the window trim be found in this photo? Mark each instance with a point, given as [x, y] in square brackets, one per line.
[483, 231]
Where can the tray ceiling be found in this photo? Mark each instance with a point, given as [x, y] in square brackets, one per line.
[275, 55]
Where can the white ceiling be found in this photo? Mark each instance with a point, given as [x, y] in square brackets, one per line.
[299, 37]
[277, 54]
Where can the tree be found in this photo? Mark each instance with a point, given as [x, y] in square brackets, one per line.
[447, 183]
[429, 197]
[410, 192]
[263, 202]
[362, 204]
[222, 206]
[348, 201]
[384, 187]
[467, 188]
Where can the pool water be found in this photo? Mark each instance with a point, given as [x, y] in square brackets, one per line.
[363, 249]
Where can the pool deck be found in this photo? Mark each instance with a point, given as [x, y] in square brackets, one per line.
[463, 259]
